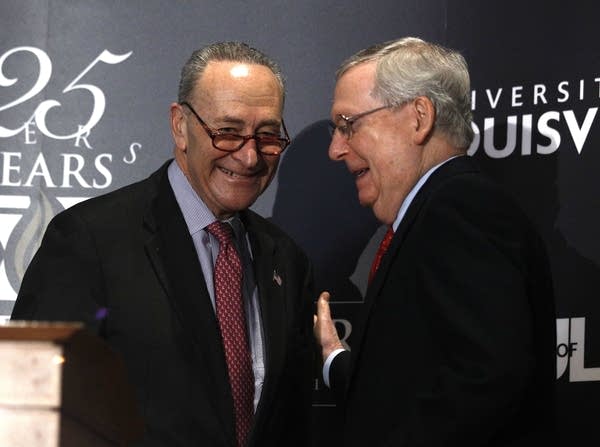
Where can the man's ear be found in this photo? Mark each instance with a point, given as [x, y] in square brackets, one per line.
[425, 118]
[178, 127]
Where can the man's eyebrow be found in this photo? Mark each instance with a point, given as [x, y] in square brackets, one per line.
[229, 119]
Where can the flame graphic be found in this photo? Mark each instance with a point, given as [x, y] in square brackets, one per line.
[26, 238]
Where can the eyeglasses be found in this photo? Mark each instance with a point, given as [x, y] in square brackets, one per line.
[346, 129]
[266, 143]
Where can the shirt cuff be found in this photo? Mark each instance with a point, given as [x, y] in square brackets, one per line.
[327, 365]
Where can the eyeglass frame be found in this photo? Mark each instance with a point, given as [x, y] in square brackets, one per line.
[213, 133]
[346, 130]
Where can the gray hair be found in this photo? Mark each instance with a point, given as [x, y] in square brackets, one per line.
[223, 51]
[410, 67]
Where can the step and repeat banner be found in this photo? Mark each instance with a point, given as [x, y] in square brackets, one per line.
[85, 88]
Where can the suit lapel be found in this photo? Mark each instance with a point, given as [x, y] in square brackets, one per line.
[272, 306]
[172, 253]
[453, 167]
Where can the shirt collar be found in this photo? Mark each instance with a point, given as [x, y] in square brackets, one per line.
[196, 214]
[413, 192]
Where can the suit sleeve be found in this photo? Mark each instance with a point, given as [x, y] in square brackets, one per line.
[339, 371]
[62, 280]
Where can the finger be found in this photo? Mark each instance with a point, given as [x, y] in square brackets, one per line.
[323, 306]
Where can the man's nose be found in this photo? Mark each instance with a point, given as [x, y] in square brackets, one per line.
[248, 153]
[338, 147]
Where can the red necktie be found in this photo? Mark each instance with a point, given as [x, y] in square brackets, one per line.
[232, 322]
[383, 246]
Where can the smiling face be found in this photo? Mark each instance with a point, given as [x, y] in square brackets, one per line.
[238, 98]
[384, 153]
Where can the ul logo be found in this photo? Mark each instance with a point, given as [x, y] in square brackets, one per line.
[570, 351]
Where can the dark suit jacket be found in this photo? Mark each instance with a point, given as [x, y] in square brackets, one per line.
[130, 252]
[456, 347]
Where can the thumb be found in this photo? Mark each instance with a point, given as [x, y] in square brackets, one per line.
[324, 329]
[323, 310]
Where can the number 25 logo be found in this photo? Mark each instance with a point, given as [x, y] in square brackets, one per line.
[44, 76]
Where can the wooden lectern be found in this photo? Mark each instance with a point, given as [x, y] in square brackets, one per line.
[61, 386]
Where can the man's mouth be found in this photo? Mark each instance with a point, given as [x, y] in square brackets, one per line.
[228, 172]
[251, 175]
[359, 173]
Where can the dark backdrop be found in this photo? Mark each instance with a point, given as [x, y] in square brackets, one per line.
[112, 67]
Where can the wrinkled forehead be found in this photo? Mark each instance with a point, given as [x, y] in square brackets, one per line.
[231, 80]
[354, 89]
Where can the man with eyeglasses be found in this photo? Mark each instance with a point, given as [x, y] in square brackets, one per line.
[455, 342]
[209, 304]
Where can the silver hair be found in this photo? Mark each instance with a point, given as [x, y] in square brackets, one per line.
[223, 51]
[410, 67]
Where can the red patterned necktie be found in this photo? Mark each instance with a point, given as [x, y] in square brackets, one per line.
[383, 246]
[232, 322]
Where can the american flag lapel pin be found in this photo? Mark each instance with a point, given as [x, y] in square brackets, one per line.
[277, 278]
